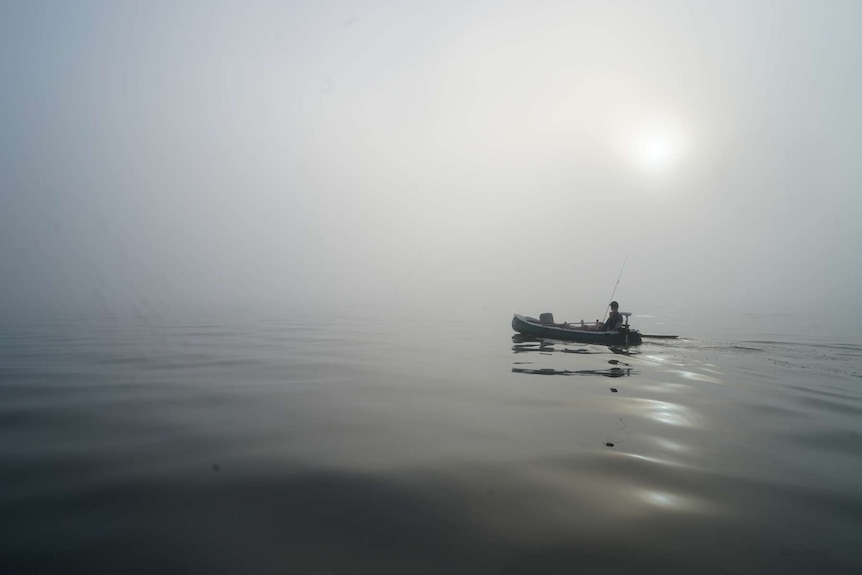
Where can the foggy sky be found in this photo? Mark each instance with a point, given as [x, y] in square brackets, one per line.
[446, 155]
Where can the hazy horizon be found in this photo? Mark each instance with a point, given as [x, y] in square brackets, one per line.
[454, 155]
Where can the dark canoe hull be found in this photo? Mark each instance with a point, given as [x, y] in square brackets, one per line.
[532, 326]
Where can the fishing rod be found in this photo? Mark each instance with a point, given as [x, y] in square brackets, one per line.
[613, 293]
[605, 315]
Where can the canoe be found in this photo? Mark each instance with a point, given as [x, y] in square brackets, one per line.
[532, 326]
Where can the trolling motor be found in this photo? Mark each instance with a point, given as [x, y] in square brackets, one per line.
[631, 337]
[626, 315]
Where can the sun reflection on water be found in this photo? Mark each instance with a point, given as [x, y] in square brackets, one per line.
[671, 445]
[693, 375]
[664, 412]
[663, 499]
[655, 460]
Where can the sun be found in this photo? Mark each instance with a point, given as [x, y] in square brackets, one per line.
[656, 149]
[657, 153]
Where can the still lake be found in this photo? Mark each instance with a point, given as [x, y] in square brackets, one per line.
[374, 444]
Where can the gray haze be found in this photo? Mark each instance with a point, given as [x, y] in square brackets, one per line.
[503, 156]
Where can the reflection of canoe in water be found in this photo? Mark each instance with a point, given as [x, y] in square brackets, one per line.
[534, 327]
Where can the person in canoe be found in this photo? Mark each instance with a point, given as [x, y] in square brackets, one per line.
[615, 320]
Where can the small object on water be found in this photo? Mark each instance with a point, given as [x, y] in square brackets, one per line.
[614, 389]
[609, 444]
[216, 467]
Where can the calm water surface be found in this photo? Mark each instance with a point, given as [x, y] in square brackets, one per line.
[370, 445]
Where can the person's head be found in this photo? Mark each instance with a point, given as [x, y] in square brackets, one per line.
[615, 306]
